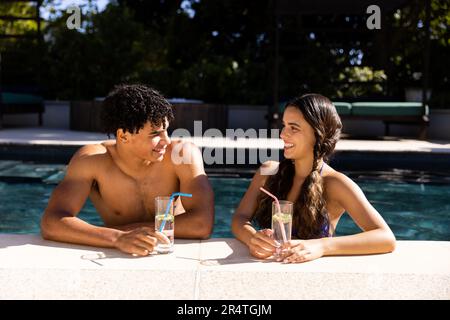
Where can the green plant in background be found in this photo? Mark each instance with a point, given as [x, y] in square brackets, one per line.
[407, 57]
[18, 9]
[223, 52]
[359, 81]
[19, 54]
[86, 64]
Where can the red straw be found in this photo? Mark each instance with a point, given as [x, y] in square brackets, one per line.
[283, 233]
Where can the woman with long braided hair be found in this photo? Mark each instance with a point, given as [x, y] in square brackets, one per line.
[311, 129]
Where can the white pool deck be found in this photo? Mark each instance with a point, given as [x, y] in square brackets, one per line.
[45, 136]
[32, 268]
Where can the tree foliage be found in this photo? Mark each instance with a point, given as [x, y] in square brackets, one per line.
[223, 51]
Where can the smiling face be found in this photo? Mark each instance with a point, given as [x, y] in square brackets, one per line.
[150, 143]
[297, 134]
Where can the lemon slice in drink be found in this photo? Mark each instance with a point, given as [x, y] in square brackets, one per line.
[283, 217]
[162, 217]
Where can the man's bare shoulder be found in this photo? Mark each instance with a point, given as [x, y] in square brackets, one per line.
[186, 159]
[184, 152]
[98, 151]
[92, 156]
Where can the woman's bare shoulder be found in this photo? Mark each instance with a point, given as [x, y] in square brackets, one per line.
[337, 183]
[269, 168]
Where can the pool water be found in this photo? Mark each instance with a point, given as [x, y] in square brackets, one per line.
[414, 204]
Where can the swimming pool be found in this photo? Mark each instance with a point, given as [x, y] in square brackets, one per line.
[414, 204]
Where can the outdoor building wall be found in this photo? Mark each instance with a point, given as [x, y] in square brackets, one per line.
[58, 115]
[247, 117]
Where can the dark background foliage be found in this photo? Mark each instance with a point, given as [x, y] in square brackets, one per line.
[223, 51]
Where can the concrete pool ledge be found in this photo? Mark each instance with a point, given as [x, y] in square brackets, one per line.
[221, 268]
[38, 136]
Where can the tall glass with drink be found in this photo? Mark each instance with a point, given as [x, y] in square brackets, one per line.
[165, 222]
[282, 221]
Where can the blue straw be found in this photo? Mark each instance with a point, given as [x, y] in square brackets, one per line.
[161, 228]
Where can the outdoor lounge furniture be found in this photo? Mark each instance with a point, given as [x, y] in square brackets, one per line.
[388, 112]
[11, 103]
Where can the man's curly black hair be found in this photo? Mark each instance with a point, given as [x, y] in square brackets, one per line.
[129, 107]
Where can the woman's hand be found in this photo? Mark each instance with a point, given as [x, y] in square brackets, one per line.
[297, 251]
[262, 245]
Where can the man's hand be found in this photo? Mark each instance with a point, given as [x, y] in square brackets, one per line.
[140, 241]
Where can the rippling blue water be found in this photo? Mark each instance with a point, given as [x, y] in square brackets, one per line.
[414, 210]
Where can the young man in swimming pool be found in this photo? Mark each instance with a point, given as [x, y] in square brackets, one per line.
[123, 177]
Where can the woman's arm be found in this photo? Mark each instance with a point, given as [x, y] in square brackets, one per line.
[376, 237]
[260, 243]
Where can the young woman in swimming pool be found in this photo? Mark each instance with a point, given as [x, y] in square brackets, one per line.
[311, 129]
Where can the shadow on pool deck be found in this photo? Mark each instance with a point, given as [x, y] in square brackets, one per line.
[32, 268]
[238, 253]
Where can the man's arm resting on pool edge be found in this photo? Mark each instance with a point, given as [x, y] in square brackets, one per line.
[60, 222]
[198, 220]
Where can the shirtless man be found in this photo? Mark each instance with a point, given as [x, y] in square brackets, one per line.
[123, 177]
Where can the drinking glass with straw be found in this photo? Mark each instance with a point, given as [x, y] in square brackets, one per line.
[165, 220]
[281, 218]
